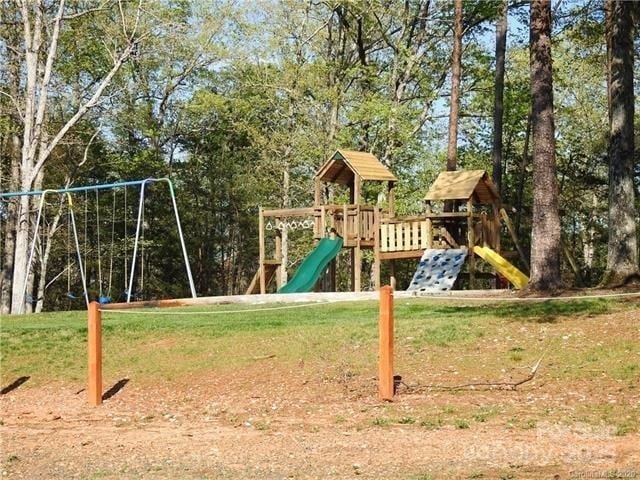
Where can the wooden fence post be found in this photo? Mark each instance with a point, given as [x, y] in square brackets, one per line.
[94, 347]
[385, 361]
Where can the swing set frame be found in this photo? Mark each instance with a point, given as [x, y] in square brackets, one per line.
[95, 188]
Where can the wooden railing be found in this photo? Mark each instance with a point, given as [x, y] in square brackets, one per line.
[352, 222]
[397, 235]
[357, 225]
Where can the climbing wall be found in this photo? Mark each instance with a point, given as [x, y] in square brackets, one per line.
[438, 270]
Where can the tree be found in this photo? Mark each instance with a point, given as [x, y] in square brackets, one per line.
[622, 251]
[42, 26]
[10, 153]
[498, 104]
[545, 235]
[456, 73]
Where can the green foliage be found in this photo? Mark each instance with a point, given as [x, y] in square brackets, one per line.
[241, 103]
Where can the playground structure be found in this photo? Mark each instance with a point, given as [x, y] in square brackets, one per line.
[463, 210]
[66, 197]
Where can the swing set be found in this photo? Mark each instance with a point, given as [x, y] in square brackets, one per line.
[104, 287]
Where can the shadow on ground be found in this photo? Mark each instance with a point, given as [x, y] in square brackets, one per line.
[13, 385]
[119, 385]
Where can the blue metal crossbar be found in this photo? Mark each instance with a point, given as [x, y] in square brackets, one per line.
[84, 188]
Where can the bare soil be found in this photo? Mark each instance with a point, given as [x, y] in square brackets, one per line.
[276, 420]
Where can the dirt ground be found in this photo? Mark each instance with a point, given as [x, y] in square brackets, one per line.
[268, 423]
[273, 419]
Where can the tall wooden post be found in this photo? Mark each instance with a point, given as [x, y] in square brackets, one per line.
[317, 201]
[356, 262]
[357, 186]
[323, 221]
[391, 198]
[392, 280]
[94, 348]
[332, 275]
[263, 280]
[317, 197]
[514, 237]
[471, 239]
[496, 228]
[280, 273]
[357, 251]
[429, 240]
[385, 359]
[376, 248]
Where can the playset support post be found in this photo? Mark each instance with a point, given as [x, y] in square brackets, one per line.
[94, 348]
[263, 281]
[357, 186]
[514, 237]
[376, 248]
[317, 197]
[385, 360]
[495, 208]
[428, 211]
[281, 271]
[471, 240]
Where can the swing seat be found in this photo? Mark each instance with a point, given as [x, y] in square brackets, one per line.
[134, 296]
[103, 299]
[71, 296]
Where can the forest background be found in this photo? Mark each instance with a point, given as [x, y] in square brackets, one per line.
[240, 102]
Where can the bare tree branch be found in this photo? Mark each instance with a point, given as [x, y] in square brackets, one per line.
[72, 16]
[44, 154]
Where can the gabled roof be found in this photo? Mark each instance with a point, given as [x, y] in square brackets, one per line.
[343, 164]
[461, 185]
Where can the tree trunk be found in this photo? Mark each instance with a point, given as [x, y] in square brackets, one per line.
[13, 84]
[498, 102]
[9, 230]
[622, 251]
[545, 235]
[456, 71]
[21, 255]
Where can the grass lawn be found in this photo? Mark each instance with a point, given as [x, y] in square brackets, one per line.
[589, 372]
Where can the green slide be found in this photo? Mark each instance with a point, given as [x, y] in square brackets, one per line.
[312, 266]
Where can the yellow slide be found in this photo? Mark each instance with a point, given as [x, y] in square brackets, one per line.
[502, 266]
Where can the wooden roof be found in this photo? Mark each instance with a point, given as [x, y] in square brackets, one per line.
[461, 185]
[343, 164]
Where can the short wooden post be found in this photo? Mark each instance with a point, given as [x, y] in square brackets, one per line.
[385, 361]
[94, 347]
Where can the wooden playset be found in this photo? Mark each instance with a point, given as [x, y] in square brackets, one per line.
[462, 210]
